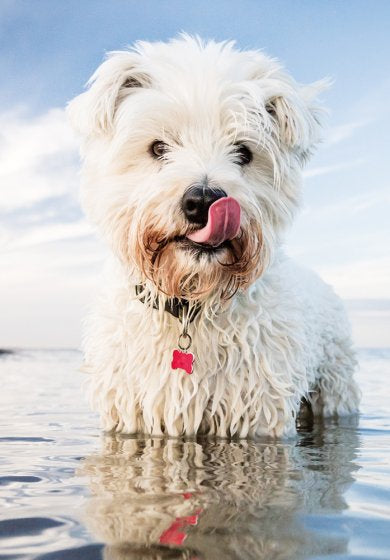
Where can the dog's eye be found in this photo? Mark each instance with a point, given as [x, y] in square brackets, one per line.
[271, 109]
[158, 149]
[243, 154]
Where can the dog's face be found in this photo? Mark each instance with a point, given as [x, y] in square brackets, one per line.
[192, 158]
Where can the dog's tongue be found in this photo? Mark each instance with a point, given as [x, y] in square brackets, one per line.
[223, 223]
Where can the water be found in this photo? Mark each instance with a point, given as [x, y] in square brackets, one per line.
[68, 492]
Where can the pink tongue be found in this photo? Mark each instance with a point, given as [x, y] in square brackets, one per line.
[223, 223]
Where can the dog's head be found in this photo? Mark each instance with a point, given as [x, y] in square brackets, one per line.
[192, 161]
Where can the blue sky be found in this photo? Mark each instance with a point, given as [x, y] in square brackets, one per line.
[48, 49]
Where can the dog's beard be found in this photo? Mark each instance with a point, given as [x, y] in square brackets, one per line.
[183, 269]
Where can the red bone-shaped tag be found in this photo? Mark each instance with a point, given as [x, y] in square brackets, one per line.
[175, 534]
[182, 360]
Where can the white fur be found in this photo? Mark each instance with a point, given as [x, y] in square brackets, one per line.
[283, 335]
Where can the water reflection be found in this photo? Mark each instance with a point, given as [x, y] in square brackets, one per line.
[160, 498]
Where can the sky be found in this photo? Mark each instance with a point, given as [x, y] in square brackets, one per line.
[50, 257]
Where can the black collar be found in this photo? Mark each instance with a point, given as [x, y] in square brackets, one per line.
[174, 306]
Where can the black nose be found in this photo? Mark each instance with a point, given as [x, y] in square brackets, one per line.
[197, 201]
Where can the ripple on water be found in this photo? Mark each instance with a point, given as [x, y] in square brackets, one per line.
[86, 552]
[5, 480]
[26, 526]
[25, 439]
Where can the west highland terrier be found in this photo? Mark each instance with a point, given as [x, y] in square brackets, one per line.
[192, 170]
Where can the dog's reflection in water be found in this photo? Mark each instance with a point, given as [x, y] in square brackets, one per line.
[158, 498]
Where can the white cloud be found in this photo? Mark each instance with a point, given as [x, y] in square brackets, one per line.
[326, 169]
[373, 104]
[50, 260]
[339, 133]
[50, 233]
[360, 279]
[38, 158]
[46, 287]
[349, 205]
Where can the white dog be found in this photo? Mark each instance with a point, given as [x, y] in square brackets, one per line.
[192, 170]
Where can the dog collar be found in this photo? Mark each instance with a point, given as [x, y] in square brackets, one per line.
[181, 358]
[176, 307]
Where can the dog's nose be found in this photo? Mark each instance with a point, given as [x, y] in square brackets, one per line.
[197, 200]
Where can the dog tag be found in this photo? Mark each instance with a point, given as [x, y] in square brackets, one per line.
[182, 360]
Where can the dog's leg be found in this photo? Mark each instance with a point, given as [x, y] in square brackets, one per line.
[107, 355]
[336, 392]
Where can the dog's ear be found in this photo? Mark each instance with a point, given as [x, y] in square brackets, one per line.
[93, 112]
[298, 116]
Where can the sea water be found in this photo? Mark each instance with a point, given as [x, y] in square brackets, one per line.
[67, 491]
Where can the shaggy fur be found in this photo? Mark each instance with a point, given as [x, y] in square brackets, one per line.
[268, 333]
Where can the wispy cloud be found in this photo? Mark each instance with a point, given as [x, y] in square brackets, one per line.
[49, 255]
[50, 233]
[326, 169]
[38, 159]
[339, 133]
[349, 205]
[373, 104]
[38, 181]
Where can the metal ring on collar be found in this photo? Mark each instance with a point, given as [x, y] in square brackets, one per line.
[184, 341]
